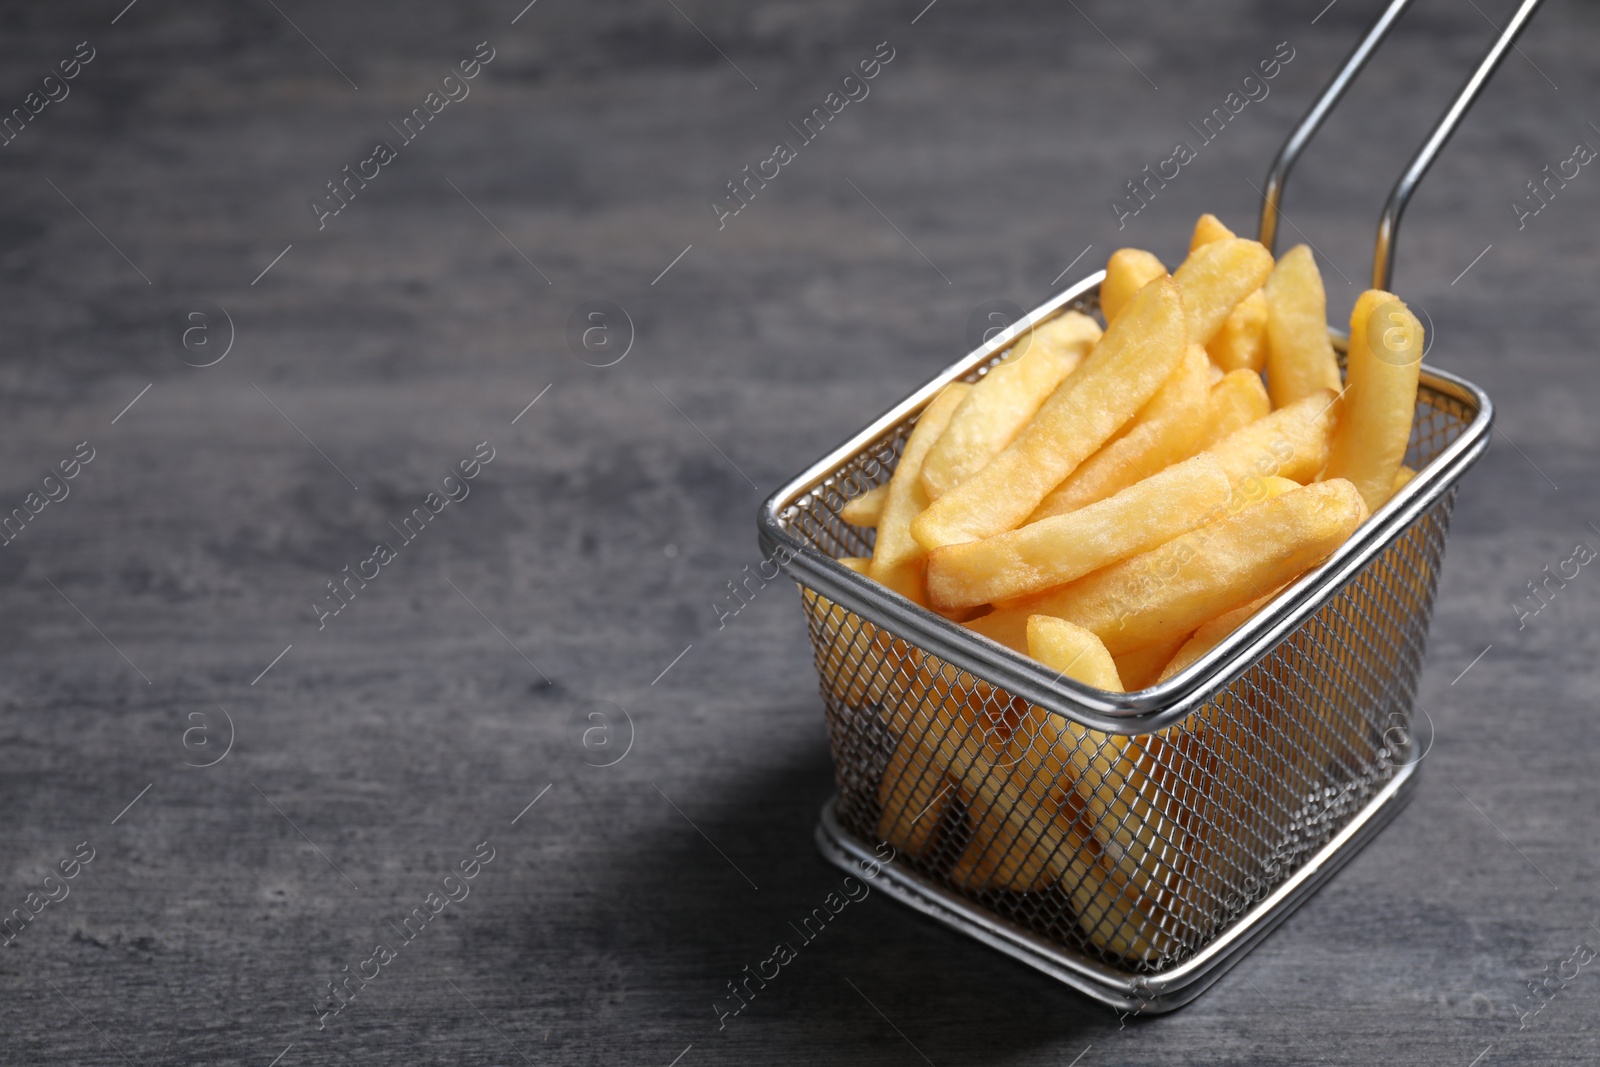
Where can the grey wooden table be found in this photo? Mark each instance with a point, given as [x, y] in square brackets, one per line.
[161, 612]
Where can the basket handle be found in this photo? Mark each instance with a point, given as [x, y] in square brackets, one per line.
[1411, 177]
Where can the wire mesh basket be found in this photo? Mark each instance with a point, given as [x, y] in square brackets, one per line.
[1131, 845]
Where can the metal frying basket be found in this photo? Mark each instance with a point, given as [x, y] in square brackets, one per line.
[1167, 830]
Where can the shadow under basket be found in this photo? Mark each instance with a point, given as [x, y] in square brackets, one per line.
[1144, 840]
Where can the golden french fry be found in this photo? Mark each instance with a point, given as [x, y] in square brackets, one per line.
[1215, 278]
[1300, 357]
[1027, 824]
[1070, 335]
[975, 755]
[1007, 625]
[1293, 442]
[1054, 551]
[1211, 634]
[845, 641]
[1138, 352]
[863, 666]
[1013, 812]
[1003, 401]
[1166, 430]
[1055, 642]
[1118, 917]
[1401, 477]
[1174, 806]
[1384, 361]
[913, 795]
[1055, 757]
[910, 579]
[1176, 588]
[1127, 271]
[1141, 668]
[1235, 402]
[1078, 808]
[1037, 830]
[864, 510]
[945, 751]
[1156, 815]
[1207, 229]
[905, 579]
[1255, 490]
[897, 559]
[1009, 628]
[1241, 344]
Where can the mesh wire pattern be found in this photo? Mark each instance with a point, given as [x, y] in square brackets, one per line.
[1134, 852]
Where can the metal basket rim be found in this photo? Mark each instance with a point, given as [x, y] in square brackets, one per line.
[1146, 710]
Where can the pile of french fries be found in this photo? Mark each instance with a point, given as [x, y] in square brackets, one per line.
[1113, 502]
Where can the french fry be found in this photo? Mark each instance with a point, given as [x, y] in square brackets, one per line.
[845, 641]
[1215, 278]
[1138, 352]
[1127, 271]
[914, 791]
[1300, 357]
[905, 579]
[1070, 335]
[1054, 551]
[1072, 650]
[1157, 817]
[1235, 402]
[1242, 341]
[1293, 442]
[1207, 229]
[1255, 490]
[1059, 758]
[916, 682]
[1166, 430]
[862, 665]
[1175, 806]
[1027, 825]
[1176, 588]
[945, 750]
[1007, 626]
[1014, 812]
[1116, 916]
[1384, 361]
[1141, 668]
[897, 559]
[1211, 634]
[864, 510]
[1401, 477]
[1003, 401]
[1104, 815]
[975, 756]
[1241, 344]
